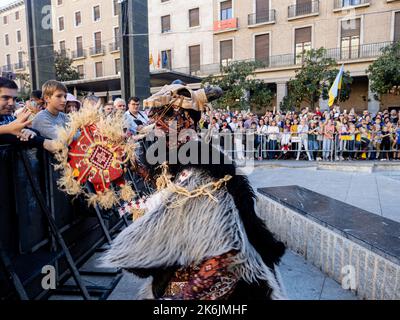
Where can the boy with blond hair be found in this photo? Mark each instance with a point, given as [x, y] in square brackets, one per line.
[48, 120]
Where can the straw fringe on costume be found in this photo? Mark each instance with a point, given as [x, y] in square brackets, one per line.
[201, 229]
[112, 129]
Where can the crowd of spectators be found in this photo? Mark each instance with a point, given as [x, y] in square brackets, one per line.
[333, 134]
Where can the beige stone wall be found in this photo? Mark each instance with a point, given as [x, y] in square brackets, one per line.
[181, 36]
[376, 277]
[87, 29]
[14, 47]
[377, 22]
[325, 26]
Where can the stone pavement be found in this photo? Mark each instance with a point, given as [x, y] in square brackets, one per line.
[376, 192]
[302, 281]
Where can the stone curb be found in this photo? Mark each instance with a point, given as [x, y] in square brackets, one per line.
[376, 278]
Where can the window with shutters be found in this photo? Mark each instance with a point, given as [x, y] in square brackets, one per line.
[80, 71]
[117, 66]
[96, 13]
[397, 26]
[79, 47]
[61, 24]
[97, 42]
[262, 11]
[19, 37]
[99, 69]
[5, 20]
[350, 39]
[63, 51]
[261, 50]
[194, 58]
[302, 43]
[226, 10]
[16, 15]
[20, 59]
[7, 39]
[303, 7]
[8, 61]
[165, 24]
[166, 61]
[116, 8]
[117, 39]
[78, 19]
[194, 18]
[226, 52]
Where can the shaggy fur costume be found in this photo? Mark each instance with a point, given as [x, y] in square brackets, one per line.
[170, 237]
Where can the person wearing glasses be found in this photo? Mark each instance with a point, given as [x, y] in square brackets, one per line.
[135, 120]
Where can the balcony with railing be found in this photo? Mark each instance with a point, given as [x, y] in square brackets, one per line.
[226, 25]
[114, 46]
[347, 4]
[361, 53]
[303, 10]
[261, 18]
[78, 54]
[20, 65]
[7, 68]
[98, 50]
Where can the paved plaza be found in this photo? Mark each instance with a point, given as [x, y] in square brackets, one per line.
[376, 192]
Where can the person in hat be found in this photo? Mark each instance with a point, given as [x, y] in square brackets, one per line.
[72, 104]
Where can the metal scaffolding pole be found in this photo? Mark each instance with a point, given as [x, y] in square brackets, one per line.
[40, 41]
[135, 74]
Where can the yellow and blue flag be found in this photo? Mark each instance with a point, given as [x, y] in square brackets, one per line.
[337, 85]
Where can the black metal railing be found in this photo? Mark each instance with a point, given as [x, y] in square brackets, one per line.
[7, 68]
[63, 53]
[262, 17]
[97, 50]
[338, 4]
[364, 51]
[20, 65]
[303, 9]
[80, 53]
[42, 226]
[115, 46]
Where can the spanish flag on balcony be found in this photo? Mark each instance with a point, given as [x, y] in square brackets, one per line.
[151, 61]
[337, 85]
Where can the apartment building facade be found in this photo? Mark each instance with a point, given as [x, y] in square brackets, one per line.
[14, 54]
[180, 34]
[87, 31]
[277, 31]
[196, 37]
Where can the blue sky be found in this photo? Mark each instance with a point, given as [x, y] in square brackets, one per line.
[5, 2]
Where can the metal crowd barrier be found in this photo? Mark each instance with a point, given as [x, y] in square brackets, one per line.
[41, 226]
[284, 146]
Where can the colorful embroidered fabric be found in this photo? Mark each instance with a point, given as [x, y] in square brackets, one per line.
[211, 280]
[94, 159]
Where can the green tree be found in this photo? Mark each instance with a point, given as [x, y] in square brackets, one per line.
[384, 73]
[241, 89]
[314, 79]
[26, 89]
[63, 67]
